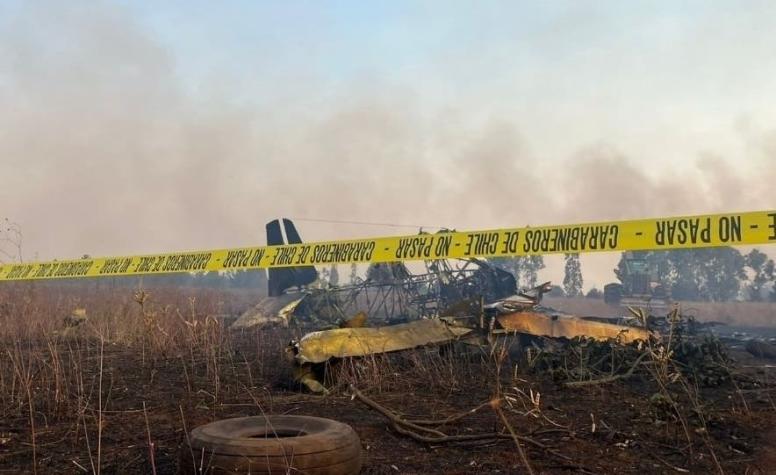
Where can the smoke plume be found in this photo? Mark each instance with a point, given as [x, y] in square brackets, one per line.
[107, 150]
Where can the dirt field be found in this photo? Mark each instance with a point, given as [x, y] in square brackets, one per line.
[119, 393]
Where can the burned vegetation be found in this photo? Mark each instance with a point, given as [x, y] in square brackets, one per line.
[450, 370]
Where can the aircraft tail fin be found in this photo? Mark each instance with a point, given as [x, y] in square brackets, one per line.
[284, 278]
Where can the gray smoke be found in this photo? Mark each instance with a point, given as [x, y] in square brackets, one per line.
[107, 151]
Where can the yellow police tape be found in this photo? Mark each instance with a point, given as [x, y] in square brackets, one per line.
[686, 232]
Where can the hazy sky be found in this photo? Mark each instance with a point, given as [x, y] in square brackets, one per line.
[134, 127]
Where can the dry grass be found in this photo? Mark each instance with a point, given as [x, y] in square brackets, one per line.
[119, 393]
[54, 375]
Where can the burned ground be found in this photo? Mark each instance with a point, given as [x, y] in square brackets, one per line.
[119, 392]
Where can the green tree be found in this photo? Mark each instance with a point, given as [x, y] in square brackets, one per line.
[762, 270]
[531, 267]
[683, 278]
[594, 294]
[720, 272]
[524, 268]
[353, 274]
[334, 275]
[572, 278]
[513, 265]
[691, 274]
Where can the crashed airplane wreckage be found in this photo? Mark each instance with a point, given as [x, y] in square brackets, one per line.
[473, 302]
[389, 294]
[518, 314]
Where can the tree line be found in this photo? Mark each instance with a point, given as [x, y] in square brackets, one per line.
[711, 274]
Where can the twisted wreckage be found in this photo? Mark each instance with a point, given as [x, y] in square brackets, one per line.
[470, 301]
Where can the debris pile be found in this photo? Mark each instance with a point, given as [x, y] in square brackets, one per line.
[584, 361]
[477, 304]
[518, 314]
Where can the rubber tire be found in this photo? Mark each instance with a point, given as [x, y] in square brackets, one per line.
[251, 445]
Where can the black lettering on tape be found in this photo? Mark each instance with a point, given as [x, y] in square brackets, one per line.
[425, 250]
[554, 232]
[73, 268]
[40, 271]
[660, 233]
[670, 232]
[614, 236]
[730, 228]
[302, 257]
[284, 256]
[158, 261]
[562, 239]
[414, 247]
[257, 257]
[317, 251]
[705, 235]
[237, 258]
[338, 252]
[574, 240]
[482, 244]
[20, 271]
[489, 243]
[469, 243]
[681, 227]
[443, 246]
[145, 264]
[568, 239]
[115, 266]
[584, 232]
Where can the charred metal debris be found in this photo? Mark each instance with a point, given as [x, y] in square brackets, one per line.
[469, 302]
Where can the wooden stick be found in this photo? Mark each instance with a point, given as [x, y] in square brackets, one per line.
[449, 420]
[608, 379]
[402, 427]
[520, 450]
